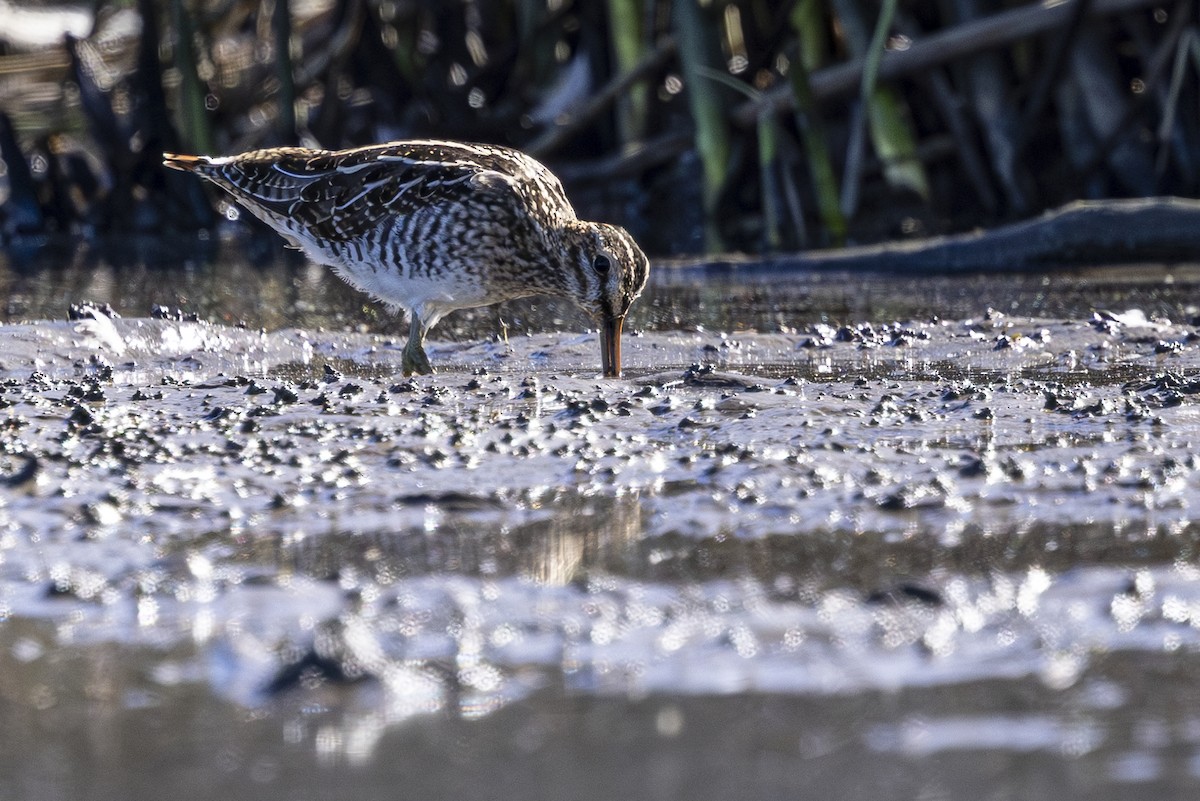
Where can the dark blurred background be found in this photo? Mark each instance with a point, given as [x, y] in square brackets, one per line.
[702, 125]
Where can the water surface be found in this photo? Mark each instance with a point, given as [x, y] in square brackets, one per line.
[244, 280]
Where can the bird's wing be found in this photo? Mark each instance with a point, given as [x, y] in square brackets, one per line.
[342, 195]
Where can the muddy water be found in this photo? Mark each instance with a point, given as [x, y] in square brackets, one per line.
[831, 536]
[244, 282]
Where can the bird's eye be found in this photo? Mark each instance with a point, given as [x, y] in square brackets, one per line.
[602, 264]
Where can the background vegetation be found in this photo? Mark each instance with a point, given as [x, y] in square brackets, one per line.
[699, 124]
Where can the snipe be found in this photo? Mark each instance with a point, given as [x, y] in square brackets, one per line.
[431, 226]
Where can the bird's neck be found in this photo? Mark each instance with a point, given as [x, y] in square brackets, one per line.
[550, 267]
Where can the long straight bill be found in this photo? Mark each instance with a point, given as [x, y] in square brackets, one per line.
[610, 346]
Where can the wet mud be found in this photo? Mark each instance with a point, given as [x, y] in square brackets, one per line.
[280, 522]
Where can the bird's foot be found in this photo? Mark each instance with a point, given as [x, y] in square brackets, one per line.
[415, 361]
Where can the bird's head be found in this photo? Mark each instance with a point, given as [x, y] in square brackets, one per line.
[611, 271]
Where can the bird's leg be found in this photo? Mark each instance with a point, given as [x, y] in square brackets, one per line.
[414, 359]
[504, 334]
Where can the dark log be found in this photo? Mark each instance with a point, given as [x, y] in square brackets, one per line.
[1080, 233]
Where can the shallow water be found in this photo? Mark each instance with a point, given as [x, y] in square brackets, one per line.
[800, 550]
[249, 282]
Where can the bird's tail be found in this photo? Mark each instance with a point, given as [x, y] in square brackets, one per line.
[186, 163]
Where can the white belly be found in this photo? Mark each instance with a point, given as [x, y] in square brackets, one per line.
[430, 293]
[425, 295]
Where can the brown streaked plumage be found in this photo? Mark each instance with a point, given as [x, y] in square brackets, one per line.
[431, 226]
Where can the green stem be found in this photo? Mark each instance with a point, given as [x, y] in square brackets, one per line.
[197, 131]
[624, 23]
[808, 24]
[697, 37]
[281, 28]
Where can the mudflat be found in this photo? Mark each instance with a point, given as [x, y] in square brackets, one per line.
[278, 522]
